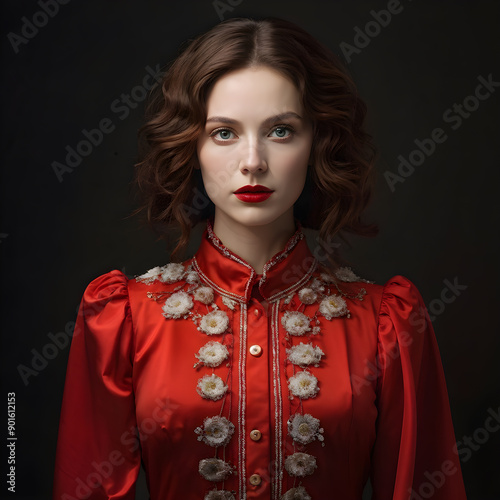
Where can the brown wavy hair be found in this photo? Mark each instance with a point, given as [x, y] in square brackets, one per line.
[338, 185]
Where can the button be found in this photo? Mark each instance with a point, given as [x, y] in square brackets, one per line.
[255, 435]
[255, 480]
[257, 313]
[255, 350]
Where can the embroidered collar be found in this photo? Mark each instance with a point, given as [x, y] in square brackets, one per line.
[230, 275]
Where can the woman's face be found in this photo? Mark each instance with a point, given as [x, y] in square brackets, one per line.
[255, 135]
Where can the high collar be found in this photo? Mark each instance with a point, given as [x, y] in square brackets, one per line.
[230, 275]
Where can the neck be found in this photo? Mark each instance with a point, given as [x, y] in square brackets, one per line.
[256, 245]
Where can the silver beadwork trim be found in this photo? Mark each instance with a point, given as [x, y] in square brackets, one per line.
[278, 404]
[297, 285]
[216, 287]
[242, 403]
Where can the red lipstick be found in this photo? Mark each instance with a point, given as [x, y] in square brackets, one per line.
[253, 194]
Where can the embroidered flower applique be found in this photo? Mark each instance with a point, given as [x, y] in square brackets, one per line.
[308, 296]
[192, 277]
[317, 285]
[204, 294]
[229, 303]
[296, 323]
[304, 355]
[216, 431]
[304, 385]
[298, 493]
[333, 306]
[219, 495]
[214, 323]
[177, 305]
[172, 273]
[211, 387]
[304, 429]
[346, 274]
[215, 469]
[300, 464]
[151, 275]
[212, 354]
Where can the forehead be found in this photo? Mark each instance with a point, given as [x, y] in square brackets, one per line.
[253, 91]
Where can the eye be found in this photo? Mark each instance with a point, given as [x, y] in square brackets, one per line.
[222, 135]
[282, 132]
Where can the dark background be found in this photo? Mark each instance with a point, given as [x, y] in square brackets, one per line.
[440, 224]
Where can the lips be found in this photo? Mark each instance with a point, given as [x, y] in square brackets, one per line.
[253, 189]
[253, 194]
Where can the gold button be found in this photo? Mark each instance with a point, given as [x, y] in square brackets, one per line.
[255, 435]
[255, 350]
[255, 479]
[257, 312]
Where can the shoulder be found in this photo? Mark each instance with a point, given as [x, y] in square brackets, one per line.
[168, 275]
[111, 285]
[397, 296]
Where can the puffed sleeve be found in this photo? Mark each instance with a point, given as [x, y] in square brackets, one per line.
[95, 458]
[414, 456]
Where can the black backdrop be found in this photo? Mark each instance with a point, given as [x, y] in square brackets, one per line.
[418, 72]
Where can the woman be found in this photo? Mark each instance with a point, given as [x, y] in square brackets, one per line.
[251, 370]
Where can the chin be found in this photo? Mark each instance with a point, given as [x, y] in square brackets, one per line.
[258, 217]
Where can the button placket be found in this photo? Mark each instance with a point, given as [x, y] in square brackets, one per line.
[258, 403]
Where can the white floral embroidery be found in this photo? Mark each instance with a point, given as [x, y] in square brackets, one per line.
[346, 274]
[211, 387]
[296, 323]
[177, 305]
[214, 322]
[305, 428]
[192, 277]
[229, 303]
[300, 464]
[317, 286]
[298, 493]
[307, 296]
[150, 275]
[333, 306]
[216, 431]
[204, 294]
[212, 354]
[214, 469]
[305, 354]
[172, 272]
[327, 278]
[219, 495]
[304, 385]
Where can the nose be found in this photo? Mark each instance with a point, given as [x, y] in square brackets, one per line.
[253, 159]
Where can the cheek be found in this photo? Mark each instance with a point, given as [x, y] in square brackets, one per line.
[293, 166]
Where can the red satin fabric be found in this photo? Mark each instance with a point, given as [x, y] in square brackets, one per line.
[382, 401]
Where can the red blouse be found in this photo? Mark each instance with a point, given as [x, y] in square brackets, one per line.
[325, 382]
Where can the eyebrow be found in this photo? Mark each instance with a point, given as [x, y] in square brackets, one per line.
[267, 121]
